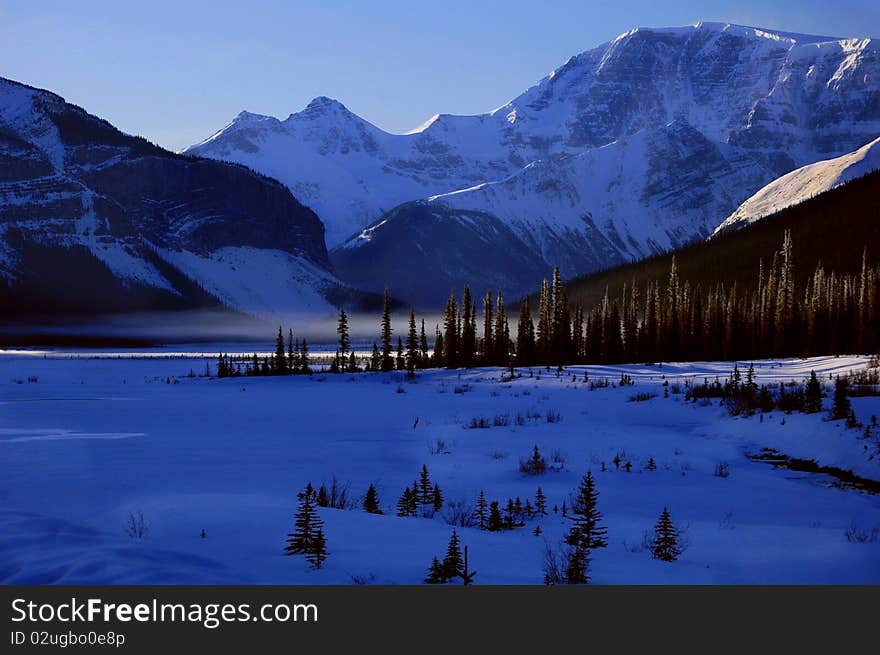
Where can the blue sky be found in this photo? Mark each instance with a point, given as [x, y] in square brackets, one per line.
[177, 71]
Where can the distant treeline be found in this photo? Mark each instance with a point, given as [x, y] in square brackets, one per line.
[669, 320]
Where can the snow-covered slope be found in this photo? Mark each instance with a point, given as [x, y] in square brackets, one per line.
[92, 219]
[758, 103]
[804, 183]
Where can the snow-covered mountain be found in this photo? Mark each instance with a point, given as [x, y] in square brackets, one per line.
[804, 183]
[92, 219]
[644, 142]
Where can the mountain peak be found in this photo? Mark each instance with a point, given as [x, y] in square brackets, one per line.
[732, 28]
[249, 117]
[324, 104]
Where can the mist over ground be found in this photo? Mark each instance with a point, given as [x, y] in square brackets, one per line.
[200, 326]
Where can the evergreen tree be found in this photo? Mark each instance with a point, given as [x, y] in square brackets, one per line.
[468, 332]
[304, 357]
[501, 338]
[813, 395]
[450, 333]
[371, 501]
[423, 346]
[387, 362]
[439, 355]
[436, 573]
[412, 343]
[665, 545]
[291, 353]
[577, 565]
[525, 336]
[437, 498]
[488, 346]
[307, 526]
[425, 489]
[375, 359]
[541, 502]
[482, 512]
[841, 407]
[453, 563]
[342, 331]
[279, 363]
[318, 552]
[400, 362]
[587, 530]
[496, 522]
[352, 363]
[406, 503]
[322, 499]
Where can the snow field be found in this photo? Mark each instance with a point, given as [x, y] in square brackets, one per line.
[95, 439]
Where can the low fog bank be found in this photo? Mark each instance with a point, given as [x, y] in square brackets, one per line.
[199, 326]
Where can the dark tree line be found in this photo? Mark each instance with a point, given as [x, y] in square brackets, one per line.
[672, 319]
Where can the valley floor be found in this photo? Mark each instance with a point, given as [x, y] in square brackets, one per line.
[88, 441]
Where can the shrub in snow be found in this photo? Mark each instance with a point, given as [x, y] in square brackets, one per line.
[722, 470]
[856, 534]
[136, 525]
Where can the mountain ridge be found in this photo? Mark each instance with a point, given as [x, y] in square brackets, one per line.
[114, 211]
[732, 107]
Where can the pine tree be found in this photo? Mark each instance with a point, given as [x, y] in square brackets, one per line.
[425, 490]
[488, 347]
[587, 530]
[496, 522]
[307, 525]
[423, 346]
[665, 545]
[405, 504]
[577, 565]
[412, 343]
[453, 564]
[439, 356]
[322, 499]
[509, 515]
[375, 359]
[813, 395]
[318, 552]
[541, 502]
[387, 362]
[501, 337]
[399, 361]
[450, 334]
[304, 357]
[841, 407]
[291, 353]
[525, 337]
[342, 331]
[352, 363]
[436, 573]
[437, 498]
[482, 512]
[280, 362]
[371, 501]
[468, 333]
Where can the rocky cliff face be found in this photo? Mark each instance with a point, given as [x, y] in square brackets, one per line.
[90, 213]
[640, 144]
